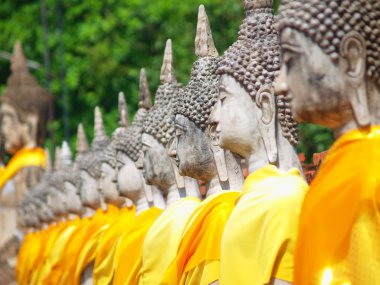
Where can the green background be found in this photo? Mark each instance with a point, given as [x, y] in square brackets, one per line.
[101, 46]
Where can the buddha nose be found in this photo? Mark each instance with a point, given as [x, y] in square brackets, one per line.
[172, 152]
[280, 84]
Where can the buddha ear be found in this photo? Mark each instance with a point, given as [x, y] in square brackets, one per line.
[32, 123]
[266, 116]
[353, 62]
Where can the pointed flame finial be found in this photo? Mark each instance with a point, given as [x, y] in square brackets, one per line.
[167, 70]
[48, 167]
[204, 43]
[145, 95]
[65, 154]
[82, 143]
[57, 157]
[18, 60]
[98, 126]
[123, 111]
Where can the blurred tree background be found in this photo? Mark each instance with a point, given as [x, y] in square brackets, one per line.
[89, 50]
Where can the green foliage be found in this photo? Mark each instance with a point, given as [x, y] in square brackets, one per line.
[105, 45]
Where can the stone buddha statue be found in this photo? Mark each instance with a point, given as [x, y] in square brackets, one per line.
[256, 125]
[158, 133]
[24, 112]
[72, 180]
[90, 172]
[108, 167]
[130, 181]
[57, 196]
[195, 144]
[330, 65]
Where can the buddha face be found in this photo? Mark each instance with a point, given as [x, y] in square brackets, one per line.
[73, 196]
[31, 215]
[44, 212]
[16, 132]
[57, 202]
[107, 185]
[318, 86]
[130, 183]
[89, 191]
[156, 168]
[236, 119]
[192, 150]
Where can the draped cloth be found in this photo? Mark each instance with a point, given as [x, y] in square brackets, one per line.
[260, 235]
[105, 253]
[99, 223]
[164, 237]
[25, 157]
[129, 250]
[339, 235]
[198, 256]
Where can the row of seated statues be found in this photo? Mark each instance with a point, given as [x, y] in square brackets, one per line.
[129, 210]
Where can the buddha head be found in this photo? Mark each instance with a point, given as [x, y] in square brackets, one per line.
[192, 148]
[108, 166]
[331, 61]
[24, 107]
[130, 182]
[41, 203]
[72, 181]
[57, 197]
[90, 172]
[249, 116]
[158, 129]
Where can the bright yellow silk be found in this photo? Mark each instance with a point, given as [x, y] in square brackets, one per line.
[339, 236]
[49, 236]
[102, 221]
[73, 250]
[105, 253]
[198, 256]
[164, 237]
[260, 235]
[23, 158]
[129, 250]
[27, 257]
[50, 274]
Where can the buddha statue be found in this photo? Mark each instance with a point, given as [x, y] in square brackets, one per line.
[24, 112]
[330, 65]
[199, 156]
[158, 132]
[130, 181]
[148, 200]
[253, 123]
[158, 169]
[108, 167]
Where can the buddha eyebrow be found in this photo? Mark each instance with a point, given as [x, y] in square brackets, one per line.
[178, 125]
[292, 47]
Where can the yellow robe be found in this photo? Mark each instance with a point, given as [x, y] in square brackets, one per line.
[105, 253]
[260, 235]
[23, 158]
[129, 250]
[164, 237]
[73, 250]
[50, 274]
[101, 221]
[198, 256]
[339, 236]
[48, 238]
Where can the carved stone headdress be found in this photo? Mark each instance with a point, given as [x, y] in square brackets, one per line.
[254, 59]
[25, 94]
[62, 166]
[128, 140]
[91, 161]
[327, 22]
[197, 99]
[82, 148]
[159, 122]
[109, 154]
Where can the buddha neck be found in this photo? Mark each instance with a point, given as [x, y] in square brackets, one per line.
[373, 91]
[235, 171]
[192, 187]
[158, 198]
[214, 186]
[287, 157]
[71, 217]
[141, 204]
[88, 212]
[173, 195]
